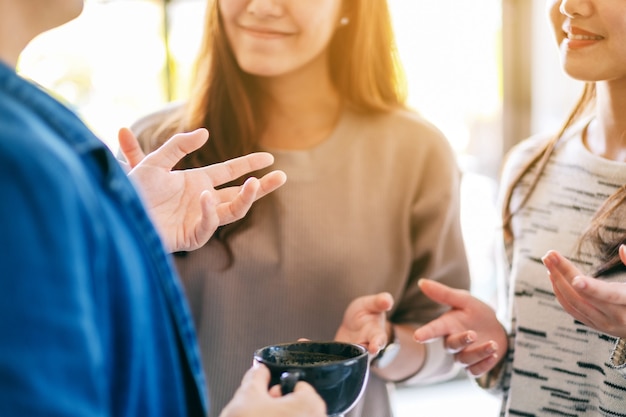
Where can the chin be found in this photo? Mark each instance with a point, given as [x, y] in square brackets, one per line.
[582, 74]
[260, 70]
[77, 9]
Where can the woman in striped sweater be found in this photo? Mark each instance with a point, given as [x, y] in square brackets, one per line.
[561, 349]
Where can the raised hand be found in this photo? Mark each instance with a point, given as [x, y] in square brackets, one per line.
[364, 322]
[253, 399]
[597, 303]
[470, 328]
[184, 204]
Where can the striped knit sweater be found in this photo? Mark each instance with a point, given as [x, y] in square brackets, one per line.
[557, 366]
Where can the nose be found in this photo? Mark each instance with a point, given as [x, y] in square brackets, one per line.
[265, 8]
[575, 8]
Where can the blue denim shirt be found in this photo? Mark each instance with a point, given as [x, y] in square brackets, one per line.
[93, 321]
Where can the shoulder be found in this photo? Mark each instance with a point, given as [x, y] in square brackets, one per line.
[403, 130]
[522, 153]
[36, 162]
[407, 124]
[151, 130]
[403, 144]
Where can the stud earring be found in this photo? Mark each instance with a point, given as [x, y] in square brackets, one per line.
[344, 21]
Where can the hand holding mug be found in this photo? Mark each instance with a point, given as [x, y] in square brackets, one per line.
[337, 371]
[253, 399]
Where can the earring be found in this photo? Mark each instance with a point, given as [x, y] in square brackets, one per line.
[344, 21]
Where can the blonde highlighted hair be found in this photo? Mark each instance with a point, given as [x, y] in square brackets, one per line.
[598, 233]
[364, 67]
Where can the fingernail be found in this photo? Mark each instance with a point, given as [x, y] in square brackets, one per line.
[579, 283]
[549, 260]
[492, 348]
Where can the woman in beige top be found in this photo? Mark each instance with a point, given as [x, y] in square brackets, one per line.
[371, 202]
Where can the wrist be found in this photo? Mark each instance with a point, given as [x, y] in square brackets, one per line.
[389, 352]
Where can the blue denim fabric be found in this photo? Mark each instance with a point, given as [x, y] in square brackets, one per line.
[93, 321]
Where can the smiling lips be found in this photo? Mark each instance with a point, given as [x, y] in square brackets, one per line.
[577, 38]
[263, 32]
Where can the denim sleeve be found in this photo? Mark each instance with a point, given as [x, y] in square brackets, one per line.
[51, 350]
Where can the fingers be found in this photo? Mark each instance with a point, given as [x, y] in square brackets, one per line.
[599, 291]
[232, 169]
[241, 203]
[564, 300]
[275, 391]
[562, 275]
[209, 221]
[306, 400]
[471, 356]
[177, 147]
[459, 341]
[270, 182]
[377, 303]
[443, 294]
[258, 375]
[304, 388]
[558, 264]
[130, 147]
[437, 328]
[445, 324]
[481, 367]
[477, 359]
[375, 306]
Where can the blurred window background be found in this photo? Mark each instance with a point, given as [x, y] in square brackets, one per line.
[123, 58]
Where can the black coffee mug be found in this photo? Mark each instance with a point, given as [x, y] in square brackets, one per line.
[338, 371]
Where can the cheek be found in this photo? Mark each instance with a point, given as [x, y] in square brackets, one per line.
[556, 19]
[320, 26]
[615, 22]
[229, 9]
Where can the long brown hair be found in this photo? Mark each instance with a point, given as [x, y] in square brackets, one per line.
[364, 68]
[606, 238]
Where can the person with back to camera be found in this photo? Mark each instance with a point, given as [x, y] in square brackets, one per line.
[563, 208]
[93, 320]
[372, 201]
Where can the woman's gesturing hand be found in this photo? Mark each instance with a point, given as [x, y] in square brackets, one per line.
[470, 328]
[597, 303]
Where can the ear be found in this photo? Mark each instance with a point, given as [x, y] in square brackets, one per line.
[346, 14]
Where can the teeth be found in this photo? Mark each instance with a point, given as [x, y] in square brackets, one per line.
[583, 37]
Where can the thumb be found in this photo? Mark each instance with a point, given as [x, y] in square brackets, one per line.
[379, 303]
[130, 147]
[257, 375]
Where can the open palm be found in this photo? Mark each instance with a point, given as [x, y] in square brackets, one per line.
[184, 205]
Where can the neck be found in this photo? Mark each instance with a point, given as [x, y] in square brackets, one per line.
[13, 37]
[606, 135]
[301, 109]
